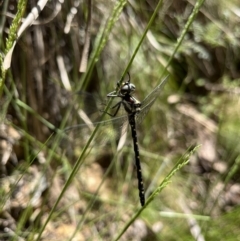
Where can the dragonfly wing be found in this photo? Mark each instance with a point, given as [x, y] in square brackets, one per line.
[149, 100]
[123, 136]
[109, 129]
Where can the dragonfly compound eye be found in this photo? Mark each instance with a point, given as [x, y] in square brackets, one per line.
[128, 88]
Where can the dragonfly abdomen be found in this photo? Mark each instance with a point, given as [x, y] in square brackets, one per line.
[137, 159]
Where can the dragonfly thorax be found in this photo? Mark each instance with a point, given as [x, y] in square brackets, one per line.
[131, 104]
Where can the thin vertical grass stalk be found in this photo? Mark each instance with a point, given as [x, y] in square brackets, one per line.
[101, 41]
[141, 40]
[191, 18]
[98, 49]
[93, 200]
[134, 53]
[85, 52]
[180, 164]
[33, 15]
[12, 37]
[76, 167]
[3, 20]
[185, 161]
[17, 104]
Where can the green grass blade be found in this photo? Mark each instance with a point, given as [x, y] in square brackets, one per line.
[180, 164]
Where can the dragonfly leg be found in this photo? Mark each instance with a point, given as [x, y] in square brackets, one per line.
[117, 106]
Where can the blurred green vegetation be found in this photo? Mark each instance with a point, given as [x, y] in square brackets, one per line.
[51, 184]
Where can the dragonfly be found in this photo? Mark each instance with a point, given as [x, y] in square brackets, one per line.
[136, 111]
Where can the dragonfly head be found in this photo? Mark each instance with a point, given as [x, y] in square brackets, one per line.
[127, 88]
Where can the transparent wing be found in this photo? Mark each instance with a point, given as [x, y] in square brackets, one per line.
[112, 128]
[108, 131]
[149, 100]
